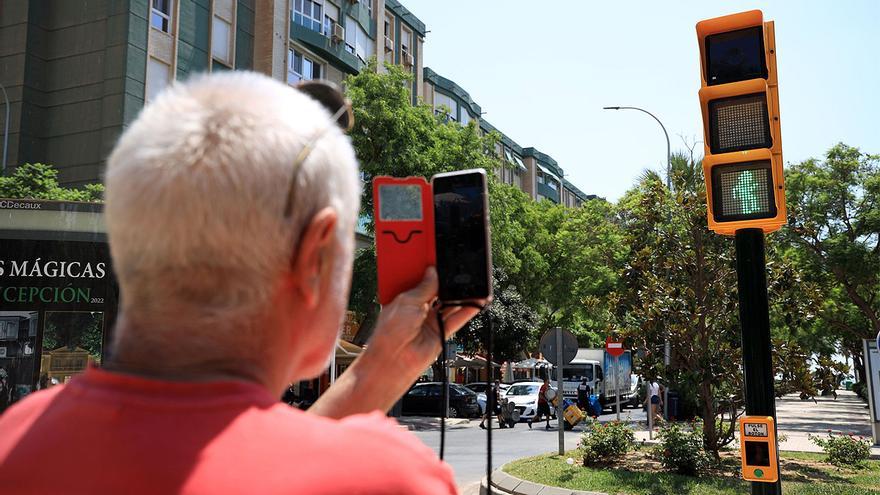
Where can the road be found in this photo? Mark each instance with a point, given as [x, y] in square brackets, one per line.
[466, 445]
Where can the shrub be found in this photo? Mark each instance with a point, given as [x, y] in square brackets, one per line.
[681, 448]
[605, 443]
[861, 389]
[844, 450]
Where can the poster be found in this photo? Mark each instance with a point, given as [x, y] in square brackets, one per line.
[57, 301]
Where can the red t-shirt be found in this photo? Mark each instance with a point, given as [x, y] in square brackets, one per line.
[107, 432]
[542, 394]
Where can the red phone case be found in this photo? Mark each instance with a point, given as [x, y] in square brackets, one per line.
[404, 246]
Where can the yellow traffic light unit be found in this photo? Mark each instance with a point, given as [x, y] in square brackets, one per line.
[739, 96]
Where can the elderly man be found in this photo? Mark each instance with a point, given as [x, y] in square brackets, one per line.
[231, 206]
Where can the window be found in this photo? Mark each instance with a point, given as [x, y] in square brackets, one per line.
[221, 40]
[440, 101]
[465, 117]
[300, 67]
[350, 34]
[405, 40]
[160, 15]
[356, 40]
[158, 78]
[331, 17]
[367, 4]
[309, 14]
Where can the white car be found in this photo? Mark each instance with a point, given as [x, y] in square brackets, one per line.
[524, 396]
[480, 389]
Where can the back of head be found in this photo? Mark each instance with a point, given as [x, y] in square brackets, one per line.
[196, 190]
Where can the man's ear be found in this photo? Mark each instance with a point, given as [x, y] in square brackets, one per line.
[313, 257]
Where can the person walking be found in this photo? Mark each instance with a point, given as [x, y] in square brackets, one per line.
[584, 393]
[493, 406]
[654, 400]
[543, 405]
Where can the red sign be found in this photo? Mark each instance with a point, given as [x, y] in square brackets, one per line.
[613, 347]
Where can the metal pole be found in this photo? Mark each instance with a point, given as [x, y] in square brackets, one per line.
[754, 317]
[559, 394]
[617, 384]
[666, 347]
[5, 131]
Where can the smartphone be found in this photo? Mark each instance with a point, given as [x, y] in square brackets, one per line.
[461, 234]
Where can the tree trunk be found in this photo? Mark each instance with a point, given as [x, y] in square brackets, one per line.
[710, 434]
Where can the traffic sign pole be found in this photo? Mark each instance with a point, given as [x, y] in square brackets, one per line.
[617, 384]
[559, 392]
[754, 317]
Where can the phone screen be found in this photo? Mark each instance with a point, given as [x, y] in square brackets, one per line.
[462, 238]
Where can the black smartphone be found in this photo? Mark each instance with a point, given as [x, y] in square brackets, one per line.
[461, 221]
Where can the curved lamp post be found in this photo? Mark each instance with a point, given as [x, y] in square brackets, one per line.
[666, 350]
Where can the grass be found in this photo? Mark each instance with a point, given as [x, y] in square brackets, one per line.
[803, 473]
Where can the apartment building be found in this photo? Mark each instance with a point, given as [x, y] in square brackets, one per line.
[534, 172]
[77, 72]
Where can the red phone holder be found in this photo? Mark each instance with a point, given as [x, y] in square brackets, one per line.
[403, 211]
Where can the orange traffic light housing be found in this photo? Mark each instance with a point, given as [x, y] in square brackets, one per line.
[739, 99]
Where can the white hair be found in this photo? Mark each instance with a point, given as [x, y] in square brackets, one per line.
[196, 190]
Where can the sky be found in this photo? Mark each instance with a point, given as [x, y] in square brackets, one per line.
[542, 71]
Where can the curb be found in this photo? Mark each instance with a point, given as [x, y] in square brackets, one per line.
[505, 484]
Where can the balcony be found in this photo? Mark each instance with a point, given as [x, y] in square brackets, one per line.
[333, 52]
[548, 192]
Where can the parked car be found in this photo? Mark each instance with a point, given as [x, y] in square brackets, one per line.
[480, 389]
[524, 395]
[425, 399]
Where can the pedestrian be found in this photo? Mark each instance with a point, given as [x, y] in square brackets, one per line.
[494, 405]
[654, 400]
[231, 204]
[543, 405]
[583, 395]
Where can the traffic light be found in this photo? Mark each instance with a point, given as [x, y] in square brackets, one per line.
[739, 97]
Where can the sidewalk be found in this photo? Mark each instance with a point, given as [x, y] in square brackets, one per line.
[797, 419]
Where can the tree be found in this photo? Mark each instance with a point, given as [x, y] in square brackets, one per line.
[680, 284]
[514, 324]
[40, 181]
[391, 136]
[834, 222]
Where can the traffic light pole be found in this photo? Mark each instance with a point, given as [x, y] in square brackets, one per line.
[754, 316]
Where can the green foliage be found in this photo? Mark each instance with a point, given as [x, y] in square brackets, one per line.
[393, 137]
[844, 450]
[834, 229]
[681, 448]
[679, 284]
[40, 181]
[554, 265]
[514, 324]
[606, 443]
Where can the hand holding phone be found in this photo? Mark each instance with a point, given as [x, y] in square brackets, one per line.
[444, 223]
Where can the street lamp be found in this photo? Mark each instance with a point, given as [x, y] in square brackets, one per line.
[666, 349]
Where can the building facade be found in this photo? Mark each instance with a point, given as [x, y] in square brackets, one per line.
[532, 171]
[77, 73]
